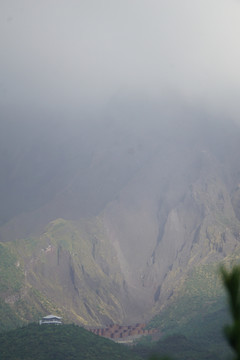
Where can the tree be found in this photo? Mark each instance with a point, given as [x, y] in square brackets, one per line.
[231, 280]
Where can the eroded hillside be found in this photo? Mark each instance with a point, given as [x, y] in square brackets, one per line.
[112, 216]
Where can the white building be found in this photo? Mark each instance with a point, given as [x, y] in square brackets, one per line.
[51, 319]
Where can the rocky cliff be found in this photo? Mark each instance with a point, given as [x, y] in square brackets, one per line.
[105, 220]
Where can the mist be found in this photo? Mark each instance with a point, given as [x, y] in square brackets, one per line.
[86, 83]
[119, 156]
[74, 57]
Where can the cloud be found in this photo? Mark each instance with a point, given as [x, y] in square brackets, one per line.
[63, 53]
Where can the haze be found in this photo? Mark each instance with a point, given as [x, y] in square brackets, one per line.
[119, 157]
[68, 54]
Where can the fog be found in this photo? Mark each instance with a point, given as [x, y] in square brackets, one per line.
[70, 55]
[121, 112]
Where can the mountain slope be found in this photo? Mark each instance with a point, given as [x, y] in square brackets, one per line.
[179, 212]
[70, 269]
[122, 213]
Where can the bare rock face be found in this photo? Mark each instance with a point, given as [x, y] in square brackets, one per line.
[180, 211]
[167, 195]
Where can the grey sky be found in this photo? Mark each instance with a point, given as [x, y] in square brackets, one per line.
[66, 52]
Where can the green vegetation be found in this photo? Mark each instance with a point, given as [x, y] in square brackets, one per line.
[48, 342]
[8, 317]
[201, 294]
[197, 313]
[177, 347]
[66, 271]
[231, 281]
[72, 342]
[11, 283]
[11, 272]
[207, 342]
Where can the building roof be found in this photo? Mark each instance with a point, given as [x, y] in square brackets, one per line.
[52, 317]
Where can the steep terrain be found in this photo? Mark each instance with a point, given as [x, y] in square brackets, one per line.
[179, 212]
[70, 269]
[106, 221]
